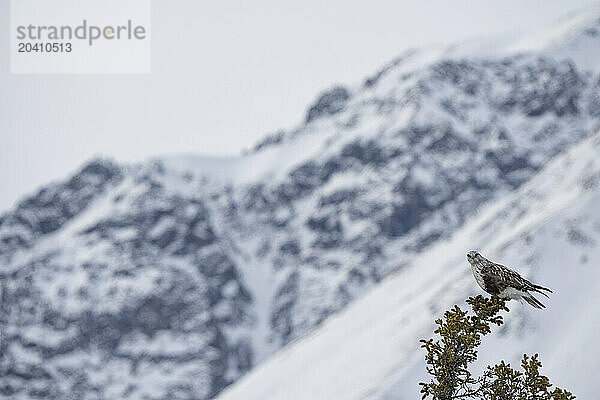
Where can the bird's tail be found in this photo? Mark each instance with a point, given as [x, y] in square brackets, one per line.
[541, 289]
[533, 302]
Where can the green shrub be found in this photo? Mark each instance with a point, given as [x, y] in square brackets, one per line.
[449, 357]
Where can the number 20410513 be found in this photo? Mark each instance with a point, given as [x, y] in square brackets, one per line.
[44, 47]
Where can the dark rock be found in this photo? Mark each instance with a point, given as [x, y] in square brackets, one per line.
[329, 103]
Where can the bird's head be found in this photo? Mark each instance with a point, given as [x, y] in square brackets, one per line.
[474, 257]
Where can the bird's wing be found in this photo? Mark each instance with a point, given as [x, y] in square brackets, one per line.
[508, 278]
[492, 277]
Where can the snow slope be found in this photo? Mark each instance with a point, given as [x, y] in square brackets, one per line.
[549, 229]
[575, 37]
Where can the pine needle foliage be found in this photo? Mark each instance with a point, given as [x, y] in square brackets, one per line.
[449, 357]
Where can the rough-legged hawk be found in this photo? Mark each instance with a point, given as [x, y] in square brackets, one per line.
[502, 282]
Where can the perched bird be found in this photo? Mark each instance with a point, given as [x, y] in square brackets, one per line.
[502, 282]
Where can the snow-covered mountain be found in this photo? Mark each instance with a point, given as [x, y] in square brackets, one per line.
[549, 229]
[170, 279]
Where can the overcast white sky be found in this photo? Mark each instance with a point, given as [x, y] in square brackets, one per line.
[224, 73]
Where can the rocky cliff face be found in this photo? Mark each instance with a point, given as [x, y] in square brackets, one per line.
[172, 278]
